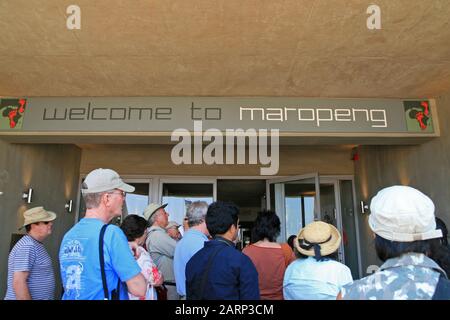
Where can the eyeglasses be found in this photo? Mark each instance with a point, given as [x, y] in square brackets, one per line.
[122, 193]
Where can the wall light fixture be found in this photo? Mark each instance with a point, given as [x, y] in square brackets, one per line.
[69, 206]
[27, 195]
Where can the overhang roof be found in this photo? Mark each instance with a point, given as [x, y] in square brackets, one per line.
[301, 48]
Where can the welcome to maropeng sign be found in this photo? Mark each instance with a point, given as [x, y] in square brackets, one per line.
[165, 114]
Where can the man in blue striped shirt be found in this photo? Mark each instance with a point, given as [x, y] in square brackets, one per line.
[30, 270]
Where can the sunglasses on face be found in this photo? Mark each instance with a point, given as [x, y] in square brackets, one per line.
[44, 222]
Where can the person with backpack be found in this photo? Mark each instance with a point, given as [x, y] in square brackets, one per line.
[95, 260]
[219, 271]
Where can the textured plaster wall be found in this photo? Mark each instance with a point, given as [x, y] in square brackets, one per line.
[425, 167]
[52, 171]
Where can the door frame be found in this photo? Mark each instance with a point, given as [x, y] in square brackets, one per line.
[328, 179]
[280, 210]
[186, 180]
[155, 191]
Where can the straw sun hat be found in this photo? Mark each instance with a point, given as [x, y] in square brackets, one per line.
[318, 239]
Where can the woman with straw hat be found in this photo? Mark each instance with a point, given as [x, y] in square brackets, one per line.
[316, 275]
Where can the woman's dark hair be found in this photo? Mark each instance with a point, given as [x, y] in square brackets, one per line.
[290, 241]
[221, 216]
[134, 226]
[387, 249]
[332, 256]
[441, 255]
[267, 225]
[441, 225]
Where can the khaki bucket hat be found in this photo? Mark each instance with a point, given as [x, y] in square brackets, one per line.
[37, 214]
[151, 209]
[318, 235]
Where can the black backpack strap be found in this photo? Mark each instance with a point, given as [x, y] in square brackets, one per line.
[442, 291]
[102, 262]
[206, 272]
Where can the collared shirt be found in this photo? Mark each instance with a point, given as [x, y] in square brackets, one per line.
[412, 276]
[162, 248]
[189, 245]
[309, 279]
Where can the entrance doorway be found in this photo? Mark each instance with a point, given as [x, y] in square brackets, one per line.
[250, 196]
[299, 200]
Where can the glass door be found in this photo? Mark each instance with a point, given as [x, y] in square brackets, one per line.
[300, 200]
[350, 228]
[330, 210]
[179, 193]
[296, 201]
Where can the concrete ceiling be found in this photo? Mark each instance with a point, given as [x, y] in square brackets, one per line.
[302, 48]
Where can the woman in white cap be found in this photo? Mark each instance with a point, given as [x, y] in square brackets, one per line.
[316, 275]
[402, 219]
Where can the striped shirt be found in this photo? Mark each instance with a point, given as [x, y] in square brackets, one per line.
[30, 255]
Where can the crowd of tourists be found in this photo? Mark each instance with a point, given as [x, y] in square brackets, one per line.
[147, 257]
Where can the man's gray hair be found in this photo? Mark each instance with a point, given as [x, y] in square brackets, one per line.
[92, 200]
[152, 219]
[196, 213]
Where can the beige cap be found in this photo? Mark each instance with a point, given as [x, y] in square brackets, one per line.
[37, 214]
[318, 233]
[403, 214]
[151, 209]
[101, 180]
[172, 224]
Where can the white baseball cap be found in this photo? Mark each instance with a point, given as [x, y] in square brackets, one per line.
[101, 180]
[403, 214]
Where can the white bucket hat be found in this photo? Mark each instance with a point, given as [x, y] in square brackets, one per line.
[403, 214]
[101, 180]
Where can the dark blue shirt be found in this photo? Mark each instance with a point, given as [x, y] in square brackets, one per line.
[232, 275]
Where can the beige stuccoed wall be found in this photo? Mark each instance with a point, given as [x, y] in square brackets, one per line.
[156, 160]
[53, 172]
[425, 167]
